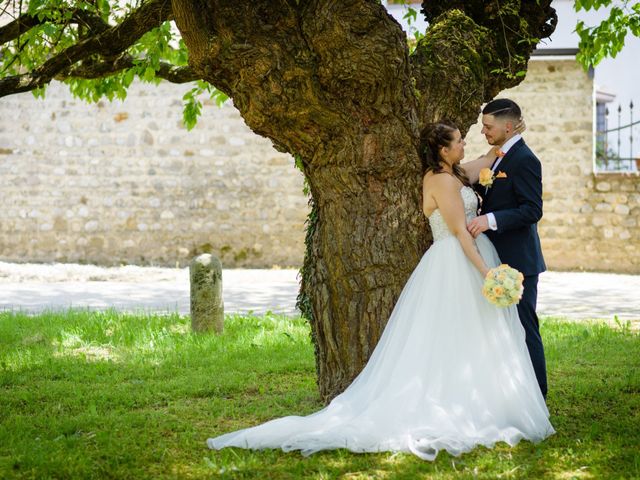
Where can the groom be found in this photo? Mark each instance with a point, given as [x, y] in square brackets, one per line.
[511, 208]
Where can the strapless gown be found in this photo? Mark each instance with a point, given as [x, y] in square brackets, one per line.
[451, 371]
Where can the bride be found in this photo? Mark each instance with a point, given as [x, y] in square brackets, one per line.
[451, 371]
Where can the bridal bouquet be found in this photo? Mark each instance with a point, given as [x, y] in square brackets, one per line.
[503, 286]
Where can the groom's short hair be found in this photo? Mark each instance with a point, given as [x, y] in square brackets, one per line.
[503, 108]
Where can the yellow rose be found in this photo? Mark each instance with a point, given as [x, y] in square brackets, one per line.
[486, 177]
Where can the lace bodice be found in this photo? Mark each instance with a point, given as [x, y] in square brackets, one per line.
[439, 227]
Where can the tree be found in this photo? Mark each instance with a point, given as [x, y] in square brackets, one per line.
[332, 82]
[608, 37]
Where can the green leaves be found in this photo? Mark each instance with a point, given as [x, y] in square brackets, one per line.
[159, 45]
[193, 107]
[590, 4]
[411, 16]
[92, 90]
[35, 46]
[103, 9]
[306, 189]
[57, 25]
[508, 74]
[608, 38]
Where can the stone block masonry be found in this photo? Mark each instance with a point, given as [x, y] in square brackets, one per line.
[125, 182]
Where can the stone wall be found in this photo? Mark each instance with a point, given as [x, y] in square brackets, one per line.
[591, 221]
[124, 182]
[605, 231]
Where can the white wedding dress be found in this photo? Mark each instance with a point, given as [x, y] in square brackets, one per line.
[450, 372]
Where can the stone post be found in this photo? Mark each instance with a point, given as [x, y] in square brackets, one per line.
[207, 306]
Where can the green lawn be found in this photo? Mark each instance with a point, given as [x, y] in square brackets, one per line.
[109, 395]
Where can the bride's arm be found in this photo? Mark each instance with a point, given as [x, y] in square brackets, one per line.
[472, 168]
[446, 192]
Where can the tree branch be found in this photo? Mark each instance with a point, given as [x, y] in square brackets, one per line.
[109, 42]
[451, 65]
[17, 27]
[95, 23]
[475, 49]
[93, 70]
[26, 22]
[301, 73]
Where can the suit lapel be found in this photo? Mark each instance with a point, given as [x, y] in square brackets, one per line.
[510, 154]
[503, 165]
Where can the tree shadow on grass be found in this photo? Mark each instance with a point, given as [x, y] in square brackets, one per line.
[594, 404]
[148, 415]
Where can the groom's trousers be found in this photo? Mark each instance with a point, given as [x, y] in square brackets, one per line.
[529, 320]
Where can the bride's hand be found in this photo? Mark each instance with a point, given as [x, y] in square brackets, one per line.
[521, 126]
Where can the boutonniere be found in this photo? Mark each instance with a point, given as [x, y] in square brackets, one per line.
[501, 174]
[486, 177]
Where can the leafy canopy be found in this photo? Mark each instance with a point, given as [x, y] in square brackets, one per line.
[98, 47]
[608, 38]
[36, 40]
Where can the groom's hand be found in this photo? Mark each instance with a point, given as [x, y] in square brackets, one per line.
[478, 225]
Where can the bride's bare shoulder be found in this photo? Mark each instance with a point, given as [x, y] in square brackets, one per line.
[440, 180]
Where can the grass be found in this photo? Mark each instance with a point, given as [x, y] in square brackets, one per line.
[111, 395]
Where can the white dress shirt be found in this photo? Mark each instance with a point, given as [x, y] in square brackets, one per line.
[491, 218]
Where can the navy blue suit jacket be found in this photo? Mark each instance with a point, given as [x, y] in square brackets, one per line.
[516, 202]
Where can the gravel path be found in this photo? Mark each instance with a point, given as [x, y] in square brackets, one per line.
[36, 287]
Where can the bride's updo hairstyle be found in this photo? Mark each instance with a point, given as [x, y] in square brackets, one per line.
[432, 139]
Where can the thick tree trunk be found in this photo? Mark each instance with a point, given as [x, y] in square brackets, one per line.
[332, 82]
[368, 235]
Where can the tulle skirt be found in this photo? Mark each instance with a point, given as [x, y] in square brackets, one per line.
[450, 372]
